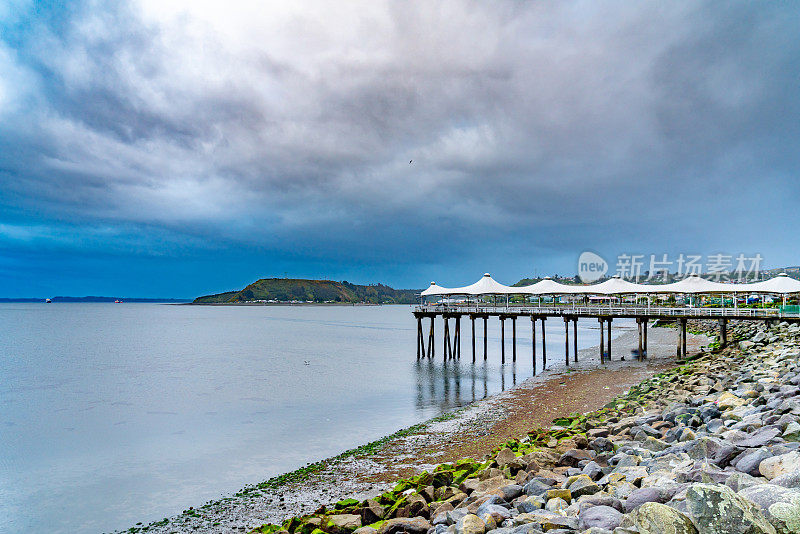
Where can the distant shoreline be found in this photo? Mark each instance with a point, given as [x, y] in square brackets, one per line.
[287, 304]
[90, 300]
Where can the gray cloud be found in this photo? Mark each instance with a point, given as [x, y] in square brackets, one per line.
[535, 129]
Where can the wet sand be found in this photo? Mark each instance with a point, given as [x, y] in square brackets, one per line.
[472, 431]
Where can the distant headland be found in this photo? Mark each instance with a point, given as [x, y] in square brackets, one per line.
[299, 290]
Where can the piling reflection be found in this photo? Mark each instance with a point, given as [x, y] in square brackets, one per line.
[453, 383]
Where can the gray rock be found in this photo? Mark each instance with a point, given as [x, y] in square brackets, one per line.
[716, 509]
[583, 485]
[787, 480]
[766, 495]
[749, 462]
[511, 492]
[780, 465]
[641, 496]
[470, 524]
[600, 516]
[537, 486]
[410, 525]
[656, 518]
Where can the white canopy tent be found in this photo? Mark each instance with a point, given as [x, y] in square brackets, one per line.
[781, 284]
[546, 286]
[692, 285]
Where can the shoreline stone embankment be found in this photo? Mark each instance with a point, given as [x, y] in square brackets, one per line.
[710, 446]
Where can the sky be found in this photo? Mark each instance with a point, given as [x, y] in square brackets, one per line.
[180, 148]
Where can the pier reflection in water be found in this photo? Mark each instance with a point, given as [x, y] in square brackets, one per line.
[451, 384]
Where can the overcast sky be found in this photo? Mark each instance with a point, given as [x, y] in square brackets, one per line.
[178, 148]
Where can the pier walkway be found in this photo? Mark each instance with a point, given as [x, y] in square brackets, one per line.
[615, 290]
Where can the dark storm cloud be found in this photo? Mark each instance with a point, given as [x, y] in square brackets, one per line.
[535, 129]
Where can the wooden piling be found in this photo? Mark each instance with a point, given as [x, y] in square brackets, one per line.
[446, 340]
[533, 343]
[431, 339]
[566, 341]
[683, 339]
[575, 339]
[644, 327]
[641, 340]
[420, 344]
[544, 346]
[609, 339]
[485, 326]
[723, 333]
[472, 320]
[458, 337]
[602, 339]
[502, 339]
[514, 339]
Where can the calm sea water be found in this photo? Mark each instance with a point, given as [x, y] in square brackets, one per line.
[116, 413]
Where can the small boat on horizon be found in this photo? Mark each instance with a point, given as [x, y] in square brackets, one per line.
[118, 301]
[48, 301]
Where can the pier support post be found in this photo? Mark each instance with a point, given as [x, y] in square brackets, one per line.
[446, 340]
[683, 339]
[602, 340]
[575, 339]
[458, 337]
[472, 319]
[641, 340]
[566, 341]
[420, 344]
[644, 328]
[723, 333]
[533, 342]
[514, 339]
[502, 339]
[544, 346]
[485, 326]
[431, 338]
[609, 338]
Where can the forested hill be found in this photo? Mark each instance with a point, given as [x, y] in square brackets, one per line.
[300, 290]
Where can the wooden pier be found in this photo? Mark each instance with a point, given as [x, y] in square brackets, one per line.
[570, 315]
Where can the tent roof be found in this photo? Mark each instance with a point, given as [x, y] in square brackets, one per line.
[434, 289]
[485, 286]
[546, 286]
[615, 286]
[781, 284]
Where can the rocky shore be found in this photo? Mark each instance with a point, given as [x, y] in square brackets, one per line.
[472, 431]
[711, 446]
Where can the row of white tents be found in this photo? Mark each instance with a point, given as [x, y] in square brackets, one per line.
[691, 285]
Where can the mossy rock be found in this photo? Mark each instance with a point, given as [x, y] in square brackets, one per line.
[442, 478]
[347, 503]
[268, 528]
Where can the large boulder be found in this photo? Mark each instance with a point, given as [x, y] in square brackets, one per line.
[411, 525]
[657, 518]
[716, 509]
[767, 495]
[780, 465]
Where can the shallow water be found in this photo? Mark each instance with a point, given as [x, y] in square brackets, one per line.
[116, 413]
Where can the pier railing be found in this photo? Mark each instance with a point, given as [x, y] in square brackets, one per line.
[593, 311]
